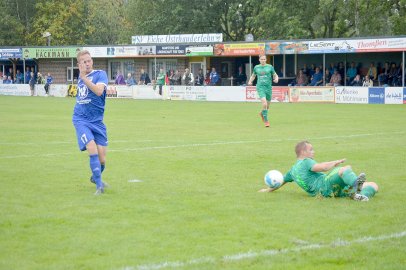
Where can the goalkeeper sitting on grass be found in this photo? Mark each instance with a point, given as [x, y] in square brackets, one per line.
[339, 182]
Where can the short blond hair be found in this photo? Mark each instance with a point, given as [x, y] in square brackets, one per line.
[81, 53]
[300, 147]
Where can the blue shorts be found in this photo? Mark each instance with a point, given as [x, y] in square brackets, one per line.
[86, 132]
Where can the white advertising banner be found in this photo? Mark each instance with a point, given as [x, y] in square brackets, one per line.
[183, 92]
[393, 95]
[55, 90]
[311, 94]
[124, 91]
[180, 38]
[146, 92]
[226, 93]
[15, 90]
[352, 94]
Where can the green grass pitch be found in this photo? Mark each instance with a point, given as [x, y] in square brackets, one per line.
[197, 207]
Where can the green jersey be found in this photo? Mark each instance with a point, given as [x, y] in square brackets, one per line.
[264, 75]
[160, 79]
[311, 182]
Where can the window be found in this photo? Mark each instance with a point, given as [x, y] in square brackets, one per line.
[166, 64]
[124, 66]
[69, 74]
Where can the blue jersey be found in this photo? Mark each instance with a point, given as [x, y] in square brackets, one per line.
[90, 107]
[50, 79]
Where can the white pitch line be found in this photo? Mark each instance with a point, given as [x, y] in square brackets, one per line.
[263, 253]
[135, 181]
[146, 148]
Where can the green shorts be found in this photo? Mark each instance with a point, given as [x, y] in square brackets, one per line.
[264, 92]
[335, 186]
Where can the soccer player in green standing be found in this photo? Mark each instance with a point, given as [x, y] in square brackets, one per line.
[265, 73]
[339, 182]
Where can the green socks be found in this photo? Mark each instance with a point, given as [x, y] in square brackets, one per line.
[349, 177]
[265, 115]
[368, 191]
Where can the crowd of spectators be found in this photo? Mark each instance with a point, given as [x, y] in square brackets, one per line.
[336, 74]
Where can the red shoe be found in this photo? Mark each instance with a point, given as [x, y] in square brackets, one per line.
[262, 117]
[266, 124]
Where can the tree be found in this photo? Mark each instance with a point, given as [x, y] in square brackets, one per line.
[63, 19]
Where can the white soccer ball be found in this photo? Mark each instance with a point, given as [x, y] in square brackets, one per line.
[273, 179]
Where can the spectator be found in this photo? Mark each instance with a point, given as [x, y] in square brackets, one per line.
[130, 80]
[351, 73]
[335, 79]
[119, 78]
[240, 77]
[341, 69]
[10, 73]
[19, 77]
[305, 70]
[372, 73]
[383, 76]
[171, 77]
[392, 74]
[200, 78]
[27, 75]
[49, 81]
[8, 80]
[214, 77]
[301, 79]
[207, 78]
[317, 78]
[144, 78]
[40, 79]
[397, 79]
[160, 80]
[187, 77]
[311, 70]
[32, 83]
[327, 76]
[356, 81]
[332, 68]
[177, 78]
[367, 82]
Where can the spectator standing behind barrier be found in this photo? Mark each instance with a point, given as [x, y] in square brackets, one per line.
[40, 78]
[372, 72]
[383, 76]
[177, 78]
[32, 83]
[301, 79]
[317, 78]
[200, 78]
[214, 77]
[327, 76]
[351, 73]
[188, 78]
[49, 81]
[207, 77]
[240, 77]
[119, 78]
[19, 77]
[27, 75]
[356, 81]
[144, 78]
[130, 80]
[160, 80]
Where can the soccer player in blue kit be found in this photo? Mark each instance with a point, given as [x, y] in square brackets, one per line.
[88, 116]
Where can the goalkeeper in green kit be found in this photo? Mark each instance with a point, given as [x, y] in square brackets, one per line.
[338, 182]
[266, 74]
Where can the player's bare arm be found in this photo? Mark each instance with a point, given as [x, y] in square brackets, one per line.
[253, 76]
[275, 78]
[326, 166]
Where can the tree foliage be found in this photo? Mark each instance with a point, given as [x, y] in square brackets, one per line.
[102, 22]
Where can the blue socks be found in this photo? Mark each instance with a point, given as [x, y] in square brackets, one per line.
[96, 168]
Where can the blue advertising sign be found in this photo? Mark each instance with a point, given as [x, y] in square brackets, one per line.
[11, 53]
[171, 50]
[404, 95]
[376, 95]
